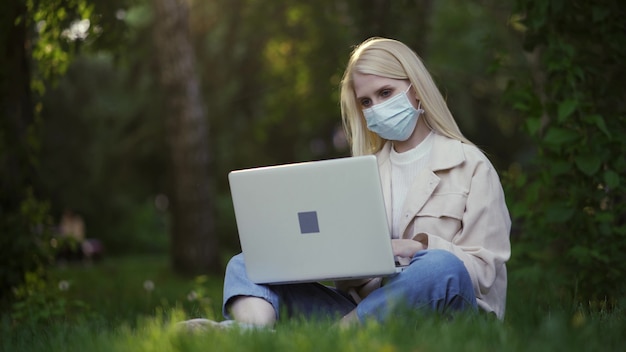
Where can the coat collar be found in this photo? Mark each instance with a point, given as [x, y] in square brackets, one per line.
[446, 154]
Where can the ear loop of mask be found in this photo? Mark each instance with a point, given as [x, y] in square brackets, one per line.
[419, 106]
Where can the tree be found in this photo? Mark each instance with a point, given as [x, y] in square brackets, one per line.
[570, 202]
[272, 89]
[15, 152]
[33, 55]
[193, 241]
[15, 98]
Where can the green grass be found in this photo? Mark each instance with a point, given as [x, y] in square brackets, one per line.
[124, 316]
[116, 288]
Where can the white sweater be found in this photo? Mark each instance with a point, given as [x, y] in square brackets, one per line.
[404, 168]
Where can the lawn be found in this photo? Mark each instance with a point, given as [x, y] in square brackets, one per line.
[131, 303]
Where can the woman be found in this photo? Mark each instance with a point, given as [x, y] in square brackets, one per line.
[444, 200]
[442, 192]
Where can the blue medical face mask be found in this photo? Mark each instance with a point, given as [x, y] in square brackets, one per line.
[394, 119]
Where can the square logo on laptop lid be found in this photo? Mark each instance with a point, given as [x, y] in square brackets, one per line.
[308, 222]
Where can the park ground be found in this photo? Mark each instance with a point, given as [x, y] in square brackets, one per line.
[131, 304]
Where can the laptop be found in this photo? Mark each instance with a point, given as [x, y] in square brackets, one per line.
[312, 221]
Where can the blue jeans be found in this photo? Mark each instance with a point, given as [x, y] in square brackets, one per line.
[435, 281]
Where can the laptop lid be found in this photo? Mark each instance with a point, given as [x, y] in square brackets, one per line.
[313, 221]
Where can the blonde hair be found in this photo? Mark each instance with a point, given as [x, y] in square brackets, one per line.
[391, 59]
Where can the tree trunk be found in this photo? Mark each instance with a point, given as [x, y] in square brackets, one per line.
[16, 114]
[193, 240]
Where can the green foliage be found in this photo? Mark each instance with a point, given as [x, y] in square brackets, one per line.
[103, 150]
[569, 205]
[56, 33]
[39, 302]
[38, 42]
[271, 93]
[24, 244]
[26, 252]
[472, 73]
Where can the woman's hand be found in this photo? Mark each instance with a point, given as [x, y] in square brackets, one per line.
[406, 248]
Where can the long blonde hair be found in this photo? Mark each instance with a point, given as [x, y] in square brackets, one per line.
[391, 59]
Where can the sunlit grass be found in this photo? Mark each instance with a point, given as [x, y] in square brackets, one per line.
[467, 333]
[127, 314]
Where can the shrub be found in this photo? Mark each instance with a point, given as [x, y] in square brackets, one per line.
[24, 244]
[569, 205]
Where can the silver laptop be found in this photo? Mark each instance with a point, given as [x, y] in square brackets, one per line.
[313, 221]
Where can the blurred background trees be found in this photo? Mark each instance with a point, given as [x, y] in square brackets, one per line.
[33, 55]
[193, 240]
[87, 121]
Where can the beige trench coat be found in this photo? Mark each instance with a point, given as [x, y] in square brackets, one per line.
[458, 203]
